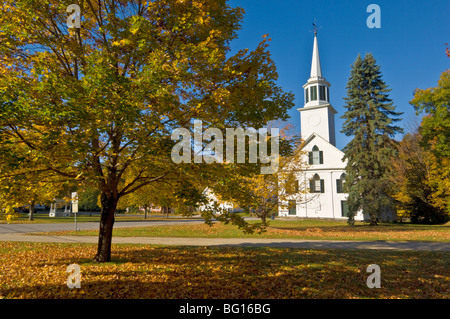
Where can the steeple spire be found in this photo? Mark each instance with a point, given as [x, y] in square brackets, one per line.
[316, 70]
[317, 115]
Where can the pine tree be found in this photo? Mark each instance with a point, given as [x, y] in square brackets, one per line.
[369, 118]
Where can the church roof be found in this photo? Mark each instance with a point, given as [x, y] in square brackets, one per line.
[312, 136]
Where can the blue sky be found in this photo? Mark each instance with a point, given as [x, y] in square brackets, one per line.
[409, 46]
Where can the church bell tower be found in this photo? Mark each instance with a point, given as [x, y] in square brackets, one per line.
[317, 115]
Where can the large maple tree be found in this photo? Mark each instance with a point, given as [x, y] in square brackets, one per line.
[96, 105]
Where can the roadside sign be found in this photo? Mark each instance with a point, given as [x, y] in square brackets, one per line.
[75, 202]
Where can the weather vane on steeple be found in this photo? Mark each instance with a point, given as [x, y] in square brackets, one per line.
[316, 28]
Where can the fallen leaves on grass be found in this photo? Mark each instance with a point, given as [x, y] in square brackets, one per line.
[38, 270]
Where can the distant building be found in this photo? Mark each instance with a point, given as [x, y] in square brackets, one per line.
[213, 200]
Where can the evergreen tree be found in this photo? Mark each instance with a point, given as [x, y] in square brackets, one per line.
[369, 118]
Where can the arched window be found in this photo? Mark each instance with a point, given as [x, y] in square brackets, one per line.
[340, 183]
[316, 156]
[316, 185]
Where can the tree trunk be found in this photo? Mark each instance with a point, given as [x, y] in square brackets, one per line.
[373, 219]
[109, 205]
[263, 219]
[31, 211]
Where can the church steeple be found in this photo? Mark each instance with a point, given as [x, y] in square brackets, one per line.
[316, 70]
[320, 116]
[317, 88]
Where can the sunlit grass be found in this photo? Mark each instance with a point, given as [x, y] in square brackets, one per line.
[291, 229]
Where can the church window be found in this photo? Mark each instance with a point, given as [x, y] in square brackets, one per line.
[340, 184]
[292, 206]
[316, 185]
[322, 93]
[316, 156]
[306, 95]
[344, 208]
[313, 93]
[328, 94]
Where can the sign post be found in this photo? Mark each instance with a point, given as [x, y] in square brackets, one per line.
[75, 207]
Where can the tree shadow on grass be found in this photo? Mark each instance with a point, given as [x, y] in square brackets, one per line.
[237, 272]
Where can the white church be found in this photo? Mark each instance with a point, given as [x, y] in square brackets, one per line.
[324, 175]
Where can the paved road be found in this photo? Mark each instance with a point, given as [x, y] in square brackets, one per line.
[247, 242]
[41, 228]
[18, 232]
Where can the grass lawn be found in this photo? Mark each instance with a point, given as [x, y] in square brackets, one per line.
[292, 229]
[38, 270]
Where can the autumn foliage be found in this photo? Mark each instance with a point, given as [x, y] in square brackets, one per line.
[30, 270]
[423, 165]
[96, 105]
